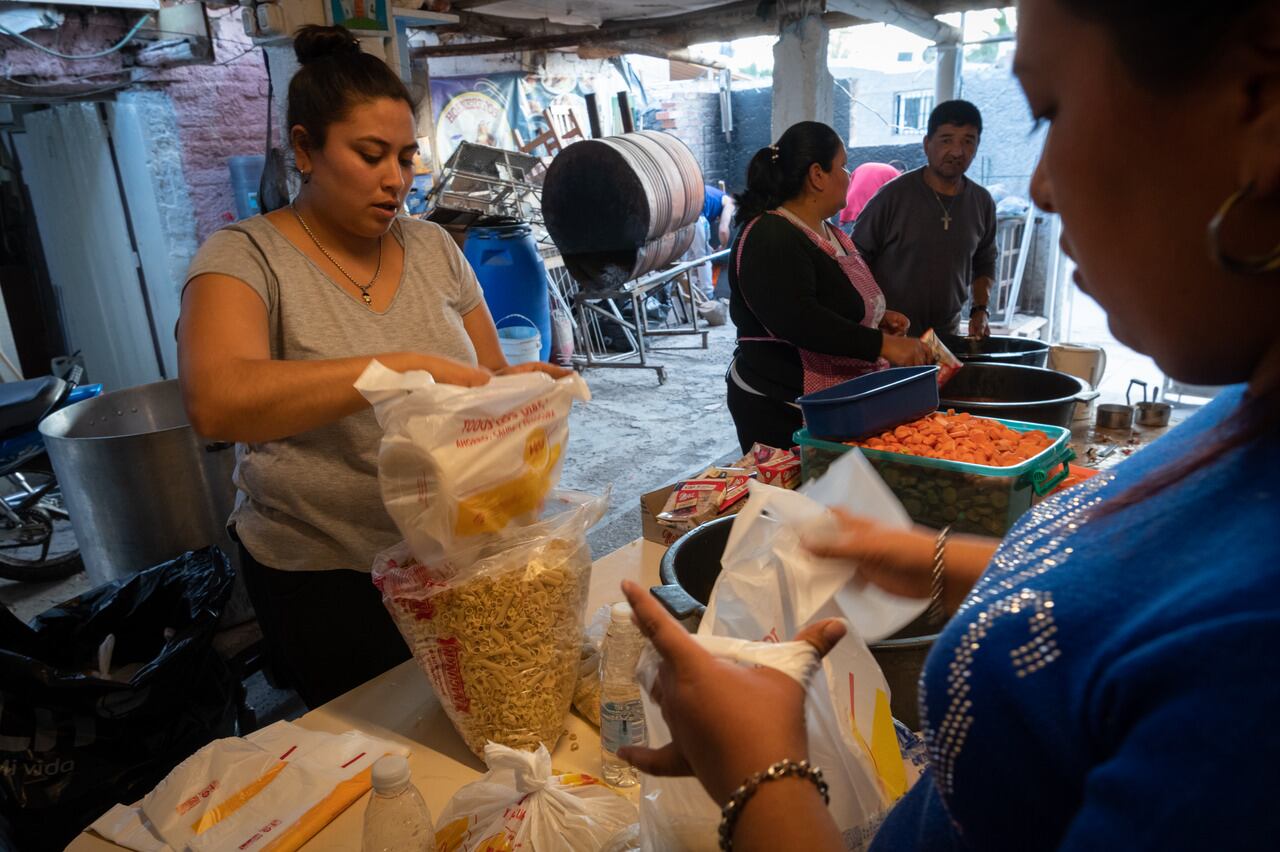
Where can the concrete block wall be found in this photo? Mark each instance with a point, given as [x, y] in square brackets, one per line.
[752, 130]
[911, 154]
[694, 118]
[1008, 151]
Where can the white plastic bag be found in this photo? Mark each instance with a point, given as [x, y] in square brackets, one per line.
[770, 587]
[457, 465]
[676, 814]
[270, 791]
[521, 805]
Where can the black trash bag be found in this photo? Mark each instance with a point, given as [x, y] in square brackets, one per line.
[72, 744]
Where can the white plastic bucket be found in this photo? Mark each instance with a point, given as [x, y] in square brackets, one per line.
[521, 344]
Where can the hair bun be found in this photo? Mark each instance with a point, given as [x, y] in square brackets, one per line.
[312, 43]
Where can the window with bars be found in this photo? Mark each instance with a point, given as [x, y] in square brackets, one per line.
[911, 111]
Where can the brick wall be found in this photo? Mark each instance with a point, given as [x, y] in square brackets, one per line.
[694, 118]
[221, 112]
[82, 32]
[218, 110]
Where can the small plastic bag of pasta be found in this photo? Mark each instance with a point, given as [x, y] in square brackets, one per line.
[522, 803]
[459, 466]
[499, 631]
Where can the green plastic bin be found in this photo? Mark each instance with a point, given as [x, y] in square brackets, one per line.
[972, 498]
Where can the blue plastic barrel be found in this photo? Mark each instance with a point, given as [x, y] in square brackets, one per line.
[512, 275]
[246, 174]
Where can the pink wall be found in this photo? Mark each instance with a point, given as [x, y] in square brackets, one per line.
[222, 113]
[221, 108]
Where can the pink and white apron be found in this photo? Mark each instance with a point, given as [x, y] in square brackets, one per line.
[821, 370]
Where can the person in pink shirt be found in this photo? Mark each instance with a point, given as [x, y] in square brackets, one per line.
[865, 181]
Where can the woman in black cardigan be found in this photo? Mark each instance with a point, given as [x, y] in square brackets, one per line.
[808, 311]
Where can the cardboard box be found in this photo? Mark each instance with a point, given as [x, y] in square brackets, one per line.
[653, 502]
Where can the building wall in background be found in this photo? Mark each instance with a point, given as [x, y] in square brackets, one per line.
[1008, 152]
[695, 118]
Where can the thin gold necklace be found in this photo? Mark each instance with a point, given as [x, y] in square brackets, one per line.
[363, 288]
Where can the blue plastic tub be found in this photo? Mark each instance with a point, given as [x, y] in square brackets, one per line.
[872, 403]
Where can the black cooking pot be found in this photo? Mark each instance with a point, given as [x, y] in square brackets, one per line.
[689, 570]
[998, 349]
[1016, 392]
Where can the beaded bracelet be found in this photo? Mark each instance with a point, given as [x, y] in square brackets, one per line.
[738, 799]
[935, 612]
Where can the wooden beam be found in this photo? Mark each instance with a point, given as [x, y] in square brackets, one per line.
[661, 51]
[741, 19]
[481, 24]
[943, 7]
[902, 14]
[461, 5]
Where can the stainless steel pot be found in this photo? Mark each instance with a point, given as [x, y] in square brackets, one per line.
[1113, 416]
[1150, 413]
[689, 570]
[1154, 413]
[140, 486]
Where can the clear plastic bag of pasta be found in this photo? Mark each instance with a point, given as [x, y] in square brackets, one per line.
[499, 631]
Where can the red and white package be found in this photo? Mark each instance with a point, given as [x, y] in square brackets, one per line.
[948, 363]
[782, 472]
[735, 489]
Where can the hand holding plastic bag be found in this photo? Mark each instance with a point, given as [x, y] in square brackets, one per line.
[722, 709]
[772, 587]
[521, 804]
[458, 464]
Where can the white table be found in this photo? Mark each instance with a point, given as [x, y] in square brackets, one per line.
[399, 705]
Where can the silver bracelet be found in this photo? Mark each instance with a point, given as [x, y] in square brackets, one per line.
[935, 613]
[738, 799]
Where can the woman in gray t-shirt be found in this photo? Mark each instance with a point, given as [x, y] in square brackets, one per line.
[280, 315]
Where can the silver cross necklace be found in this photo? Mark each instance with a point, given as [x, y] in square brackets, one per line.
[363, 288]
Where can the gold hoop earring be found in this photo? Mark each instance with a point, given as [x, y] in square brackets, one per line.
[1260, 264]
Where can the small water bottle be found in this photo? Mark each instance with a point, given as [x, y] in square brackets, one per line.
[397, 818]
[621, 713]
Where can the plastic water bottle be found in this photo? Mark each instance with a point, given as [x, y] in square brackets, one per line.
[621, 713]
[397, 819]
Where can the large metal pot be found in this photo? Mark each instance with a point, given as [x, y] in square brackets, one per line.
[689, 570]
[1016, 392]
[998, 349]
[140, 486]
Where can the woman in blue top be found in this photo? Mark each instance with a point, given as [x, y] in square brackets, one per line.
[1109, 678]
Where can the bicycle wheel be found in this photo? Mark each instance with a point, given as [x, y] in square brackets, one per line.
[38, 550]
